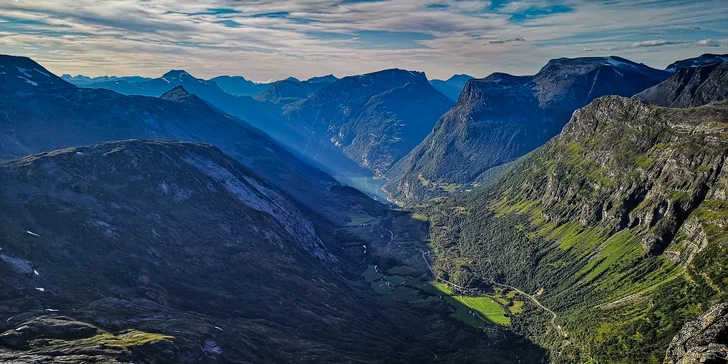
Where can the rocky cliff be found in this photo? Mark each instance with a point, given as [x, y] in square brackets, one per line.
[618, 225]
[502, 117]
[691, 86]
[703, 340]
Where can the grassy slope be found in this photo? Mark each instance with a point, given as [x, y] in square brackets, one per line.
[555, 225]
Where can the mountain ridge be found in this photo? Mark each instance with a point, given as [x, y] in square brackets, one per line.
[502, 117]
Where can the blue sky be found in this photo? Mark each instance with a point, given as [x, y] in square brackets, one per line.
[265, 39]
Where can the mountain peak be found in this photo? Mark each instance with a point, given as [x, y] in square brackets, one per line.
[22, 73]
[176, 75]
[323, 79]
[175, 94]
[180, 94]
[702, 60]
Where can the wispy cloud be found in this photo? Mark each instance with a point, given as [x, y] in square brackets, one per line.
[708, 43]
[656, 43]
[272, 39]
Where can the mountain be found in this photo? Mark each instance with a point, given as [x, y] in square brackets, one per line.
[691, 86]
[21, 74]
[81, 80]
[169, 252]
[372, 120]
[617, 225]
[291, 89]
[238, 85]
[52, 114]
[245, 107]
[452, 86]
[702, 60]
[502, 117]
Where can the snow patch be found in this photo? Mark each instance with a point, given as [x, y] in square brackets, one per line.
[18, 265]
[40, 289]
[31, 233]
[41, 72]
[24, 72]
[36, 272]
[28, 81]
[51, 310]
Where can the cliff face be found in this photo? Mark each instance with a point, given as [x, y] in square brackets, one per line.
[703, 340]
[623, 164]
[369, 120]
[691, 86]
[620, 223]
[502, 117]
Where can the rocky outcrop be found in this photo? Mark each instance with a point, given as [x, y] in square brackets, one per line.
[691, 86]
[644, 167]
[703, 340]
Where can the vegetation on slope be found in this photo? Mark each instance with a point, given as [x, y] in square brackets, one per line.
[618, 225]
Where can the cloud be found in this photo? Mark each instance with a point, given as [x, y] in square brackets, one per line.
[656, 43]
[708, 43]
[274, 39]
[509, 40]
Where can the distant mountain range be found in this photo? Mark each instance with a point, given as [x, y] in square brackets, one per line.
[502, 117]
[239, 86]
[43, 113]
[452, 86]
[81, 80]
[234, 85]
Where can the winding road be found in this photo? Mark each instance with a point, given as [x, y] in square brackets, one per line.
[559, 329]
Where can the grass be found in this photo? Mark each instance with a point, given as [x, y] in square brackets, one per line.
[441, 288]
[487, 308]
[127, 339]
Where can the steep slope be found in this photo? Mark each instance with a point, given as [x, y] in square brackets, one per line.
[702, 60]
[618, 225]
[502, 117]
[374, 119]
[56, 114]
[452, 86]
[239, 86]
[691, 86]
[158, 252]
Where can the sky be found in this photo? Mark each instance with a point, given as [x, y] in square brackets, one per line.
[267, 40]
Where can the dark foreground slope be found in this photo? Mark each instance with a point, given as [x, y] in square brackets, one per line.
[619, 225]
[502, 117]
[41, 112]
[156, 252]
